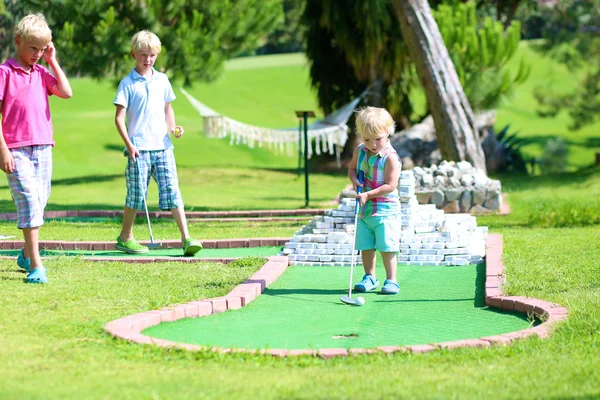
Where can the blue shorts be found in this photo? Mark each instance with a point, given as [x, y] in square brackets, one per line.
[379, 233]
[29, 183]
[160, 165]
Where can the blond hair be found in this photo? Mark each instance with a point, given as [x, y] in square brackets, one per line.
[373, 121]
[34, 26]
[145, 40]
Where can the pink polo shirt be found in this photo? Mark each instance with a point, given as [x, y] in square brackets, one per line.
[25, 107]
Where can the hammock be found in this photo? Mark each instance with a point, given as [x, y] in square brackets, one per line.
[328, 135]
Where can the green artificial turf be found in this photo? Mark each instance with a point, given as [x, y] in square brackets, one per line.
[302, 310]
[161, 252]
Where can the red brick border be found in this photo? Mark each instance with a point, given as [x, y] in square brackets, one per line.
[195, 215]
[174, 244]
[129, 328]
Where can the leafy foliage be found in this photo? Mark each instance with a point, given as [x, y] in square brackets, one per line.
[480, 55]
[288, 35]
[511, 145]
[554, 159]
[10, 13]
[572, 36]
[197, 35]
[351, 47]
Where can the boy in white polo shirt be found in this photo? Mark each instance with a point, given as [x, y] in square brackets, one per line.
[27, 136]
[144, 99]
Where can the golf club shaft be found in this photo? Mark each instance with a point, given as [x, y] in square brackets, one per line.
[148, 219]
[137, 166]
[356, 209]
[352, 262]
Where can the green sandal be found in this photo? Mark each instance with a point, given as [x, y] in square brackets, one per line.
[130, 246]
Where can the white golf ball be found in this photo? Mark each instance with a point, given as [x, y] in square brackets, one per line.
[360, 301]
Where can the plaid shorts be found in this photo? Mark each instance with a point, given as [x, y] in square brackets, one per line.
[30, 183]
[160, 165]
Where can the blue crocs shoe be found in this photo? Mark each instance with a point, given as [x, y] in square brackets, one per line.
[390, 287]
[38, 275]
[22, 262]
[367, 284]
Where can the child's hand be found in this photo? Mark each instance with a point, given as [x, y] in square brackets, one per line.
[356, 184]
[363, 197]
[50, 52]
[178, 131]
[7, 162]
[133, 152]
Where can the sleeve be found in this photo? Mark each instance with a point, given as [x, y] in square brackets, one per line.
[122, 97]
[169, 93]
[49, 80]
[3, 83]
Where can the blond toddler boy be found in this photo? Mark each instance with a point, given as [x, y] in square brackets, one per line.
[378, 225]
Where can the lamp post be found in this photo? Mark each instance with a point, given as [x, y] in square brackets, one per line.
[305, 115]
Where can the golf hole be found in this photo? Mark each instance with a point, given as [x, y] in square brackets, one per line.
[350, 336]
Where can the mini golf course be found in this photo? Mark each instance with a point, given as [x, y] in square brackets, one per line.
[302, 310]
[295, 310]
[263, 251]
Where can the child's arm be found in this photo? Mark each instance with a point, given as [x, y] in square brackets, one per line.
[352, 169]
[7, 162]
[122, 128]
[62, 88]
[391, 174]
[172, 126]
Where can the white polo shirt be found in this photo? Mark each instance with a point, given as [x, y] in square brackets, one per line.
[144, 100]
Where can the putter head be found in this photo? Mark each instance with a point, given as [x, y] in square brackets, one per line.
[154, 245]
[349, 300]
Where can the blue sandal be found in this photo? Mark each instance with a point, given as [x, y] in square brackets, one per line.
[22, 262]
[37, 275]
[367, 284]
[390, 287]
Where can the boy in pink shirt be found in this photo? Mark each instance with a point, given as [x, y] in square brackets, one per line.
[27, 137]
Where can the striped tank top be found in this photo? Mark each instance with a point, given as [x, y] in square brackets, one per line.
[373, 168]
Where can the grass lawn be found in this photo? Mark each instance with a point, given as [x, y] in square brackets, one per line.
[52, 345]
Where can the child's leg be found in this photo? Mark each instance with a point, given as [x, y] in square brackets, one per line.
[32, 247]
[368, 259]
[129, 215]
[365, 242]
[179, 217]
[164, 171]
[390, 262]
[137, 177]
[30, 188]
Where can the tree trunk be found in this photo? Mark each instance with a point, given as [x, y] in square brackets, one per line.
[510, 13]
[454, 122]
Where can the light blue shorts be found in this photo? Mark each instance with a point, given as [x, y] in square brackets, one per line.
[379, 233]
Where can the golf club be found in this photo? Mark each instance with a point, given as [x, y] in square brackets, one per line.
[152, 244]
[359, 301]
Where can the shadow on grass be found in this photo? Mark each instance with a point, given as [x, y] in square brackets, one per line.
[313, 168]
[289, 293]
[114, 147]
[81, 180]
[479, 300]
